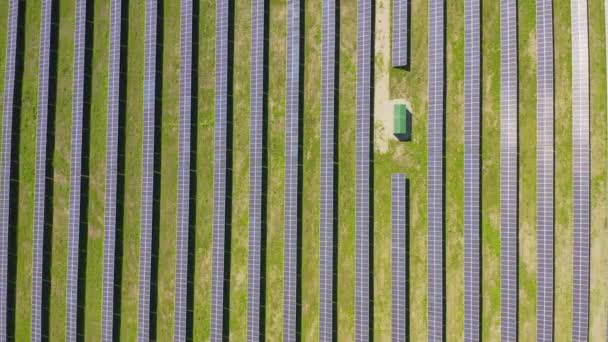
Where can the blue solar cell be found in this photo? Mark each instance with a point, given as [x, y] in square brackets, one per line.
[328, 141]
[76, 172]
[183, 193]
[581, 171]
[472, 170]
[41, 176]
[400, 35]
[113, 100]
[254, 305]
[436, 91]
[544, 167]
[363, 163]
[147, 180]
[220, 195]
[508, 169]
[399, 214]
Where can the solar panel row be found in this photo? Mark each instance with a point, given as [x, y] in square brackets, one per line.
[363, 146]
[220, 195]
[5, 159]
[399, 257]
[147, 180]
[436, 79]
[580, 172]
[292, 176]
[183, 186]
[111, 196]
[508, 169]
[436, 83]
[400, 35]
[472, 171]
[328, 142]
[256, 150]
[544, 167]
[41, 176]
[76, 172]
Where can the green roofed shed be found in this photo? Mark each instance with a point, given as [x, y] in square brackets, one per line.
[401, 122]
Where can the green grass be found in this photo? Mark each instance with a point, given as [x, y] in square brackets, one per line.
[97, 160]
[490, 171]
[346, 173]
[409, 158]
[404, 84]
[133, 149]
[26, 171]
[276, 165]
[240, 173]
[599, 151]
[61, 168]
[168, 193]
[204, 203]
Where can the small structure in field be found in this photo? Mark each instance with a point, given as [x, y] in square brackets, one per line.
[402, 122]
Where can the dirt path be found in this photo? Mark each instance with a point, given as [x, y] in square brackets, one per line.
[383, 105]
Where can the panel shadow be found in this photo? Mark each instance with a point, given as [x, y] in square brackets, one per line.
[157, 169]
[84, 181]
[264, 206]
[193, 175]
[120, 171]
[14, 174]
[49, 171]
[228, 199]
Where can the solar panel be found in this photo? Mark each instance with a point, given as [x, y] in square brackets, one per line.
[183, 193]
[436, 79]
[399, 257]
[41, 176]
[5, 159]
[256, 150]
[109, 252]
[76, 172]
[472, 171]
[328, 159]
[400, 26]
[363, 145]
[508, 169]
[292, 127]
[220, 224]
[580, 172]
[147, 180]
[544, 167]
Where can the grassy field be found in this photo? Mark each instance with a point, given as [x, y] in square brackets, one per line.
[412, 85]
[409, 158]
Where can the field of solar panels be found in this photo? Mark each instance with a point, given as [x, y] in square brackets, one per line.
[389, 156]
